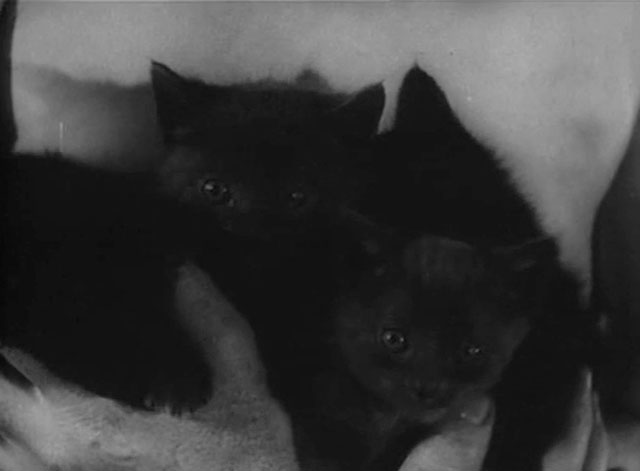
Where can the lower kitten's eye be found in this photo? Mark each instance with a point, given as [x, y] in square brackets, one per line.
[380, 270]
[471, 351]
[297, 199]
[216, 191]
[394, 340]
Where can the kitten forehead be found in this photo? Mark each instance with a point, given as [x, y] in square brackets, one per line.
[266, 105]
[435, 260]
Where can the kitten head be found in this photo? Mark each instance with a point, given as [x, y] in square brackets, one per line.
[265, 158]
[435, 322]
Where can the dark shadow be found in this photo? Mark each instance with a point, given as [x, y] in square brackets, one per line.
[616, 261]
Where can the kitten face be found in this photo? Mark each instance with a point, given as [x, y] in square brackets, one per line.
[255, 187]
[264, 160]
[430, 325]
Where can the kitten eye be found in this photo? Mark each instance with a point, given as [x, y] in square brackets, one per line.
[394, 340]
[471, 351]
[297, 199]
[217, 192]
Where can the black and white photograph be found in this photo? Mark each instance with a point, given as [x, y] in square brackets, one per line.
[319, 235]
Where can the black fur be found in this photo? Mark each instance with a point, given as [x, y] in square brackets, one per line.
[89, 261]
[446, 298]
[265, 141]
[439, 179]
[91, 255]
[258, 144]
[279, 159]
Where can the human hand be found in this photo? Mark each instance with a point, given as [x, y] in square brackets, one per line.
[584, 445]
[462, 444]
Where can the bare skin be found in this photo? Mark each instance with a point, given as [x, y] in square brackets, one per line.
[587, 444]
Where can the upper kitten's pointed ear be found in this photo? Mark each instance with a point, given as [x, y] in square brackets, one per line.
[530, 254]
[421, 102]
[360, 116]
[173, 101]
[168, 86]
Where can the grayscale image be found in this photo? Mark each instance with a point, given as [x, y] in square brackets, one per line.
[319, 236]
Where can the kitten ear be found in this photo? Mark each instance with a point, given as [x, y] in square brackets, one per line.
[421, 103]
[360, 116]
[174, 102]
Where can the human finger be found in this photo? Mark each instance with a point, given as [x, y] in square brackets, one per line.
[598, 449]
[568, 453]
[460, 446]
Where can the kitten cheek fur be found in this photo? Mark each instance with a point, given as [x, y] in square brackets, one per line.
[177, 170]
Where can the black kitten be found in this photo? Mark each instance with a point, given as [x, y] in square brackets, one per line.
[427, 327]
[278, 167]
[267, 159]
[89, 260]
[434, 324]
[439, 179]
[283, 170]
